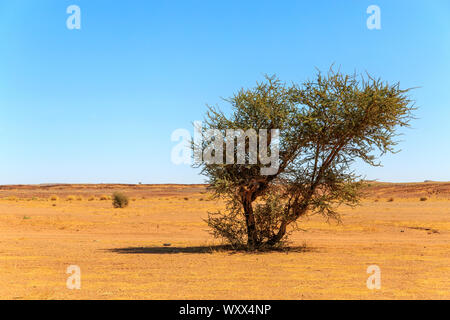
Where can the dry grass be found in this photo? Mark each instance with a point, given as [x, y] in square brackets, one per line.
[160, 248]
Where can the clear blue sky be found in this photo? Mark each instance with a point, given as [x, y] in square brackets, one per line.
[99, 104]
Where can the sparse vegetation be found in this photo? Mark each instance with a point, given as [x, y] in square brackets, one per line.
[107, 242]
[119, 200]
[54, 198]
[70, 198]
[104, 197]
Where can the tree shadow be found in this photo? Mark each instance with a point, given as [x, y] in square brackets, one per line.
[165, 249]
[204, 249]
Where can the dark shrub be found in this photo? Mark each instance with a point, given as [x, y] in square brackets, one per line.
[119, 200]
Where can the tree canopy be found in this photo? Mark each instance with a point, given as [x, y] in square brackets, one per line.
[322, 127]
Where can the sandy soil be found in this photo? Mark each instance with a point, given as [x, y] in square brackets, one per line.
[121, 252]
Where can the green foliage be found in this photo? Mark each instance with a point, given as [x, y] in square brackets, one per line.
[325, 126]
[119, 200]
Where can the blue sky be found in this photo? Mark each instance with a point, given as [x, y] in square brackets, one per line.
[98, 105]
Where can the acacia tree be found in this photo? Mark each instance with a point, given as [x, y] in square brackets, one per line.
[324, 126]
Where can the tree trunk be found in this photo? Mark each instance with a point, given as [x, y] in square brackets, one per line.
[282, 231]
[280, 234]
[252, 237]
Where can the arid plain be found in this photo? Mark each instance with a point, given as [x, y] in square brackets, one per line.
[159, 247]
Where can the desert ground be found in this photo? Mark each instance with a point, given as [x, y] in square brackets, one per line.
[159, 247]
